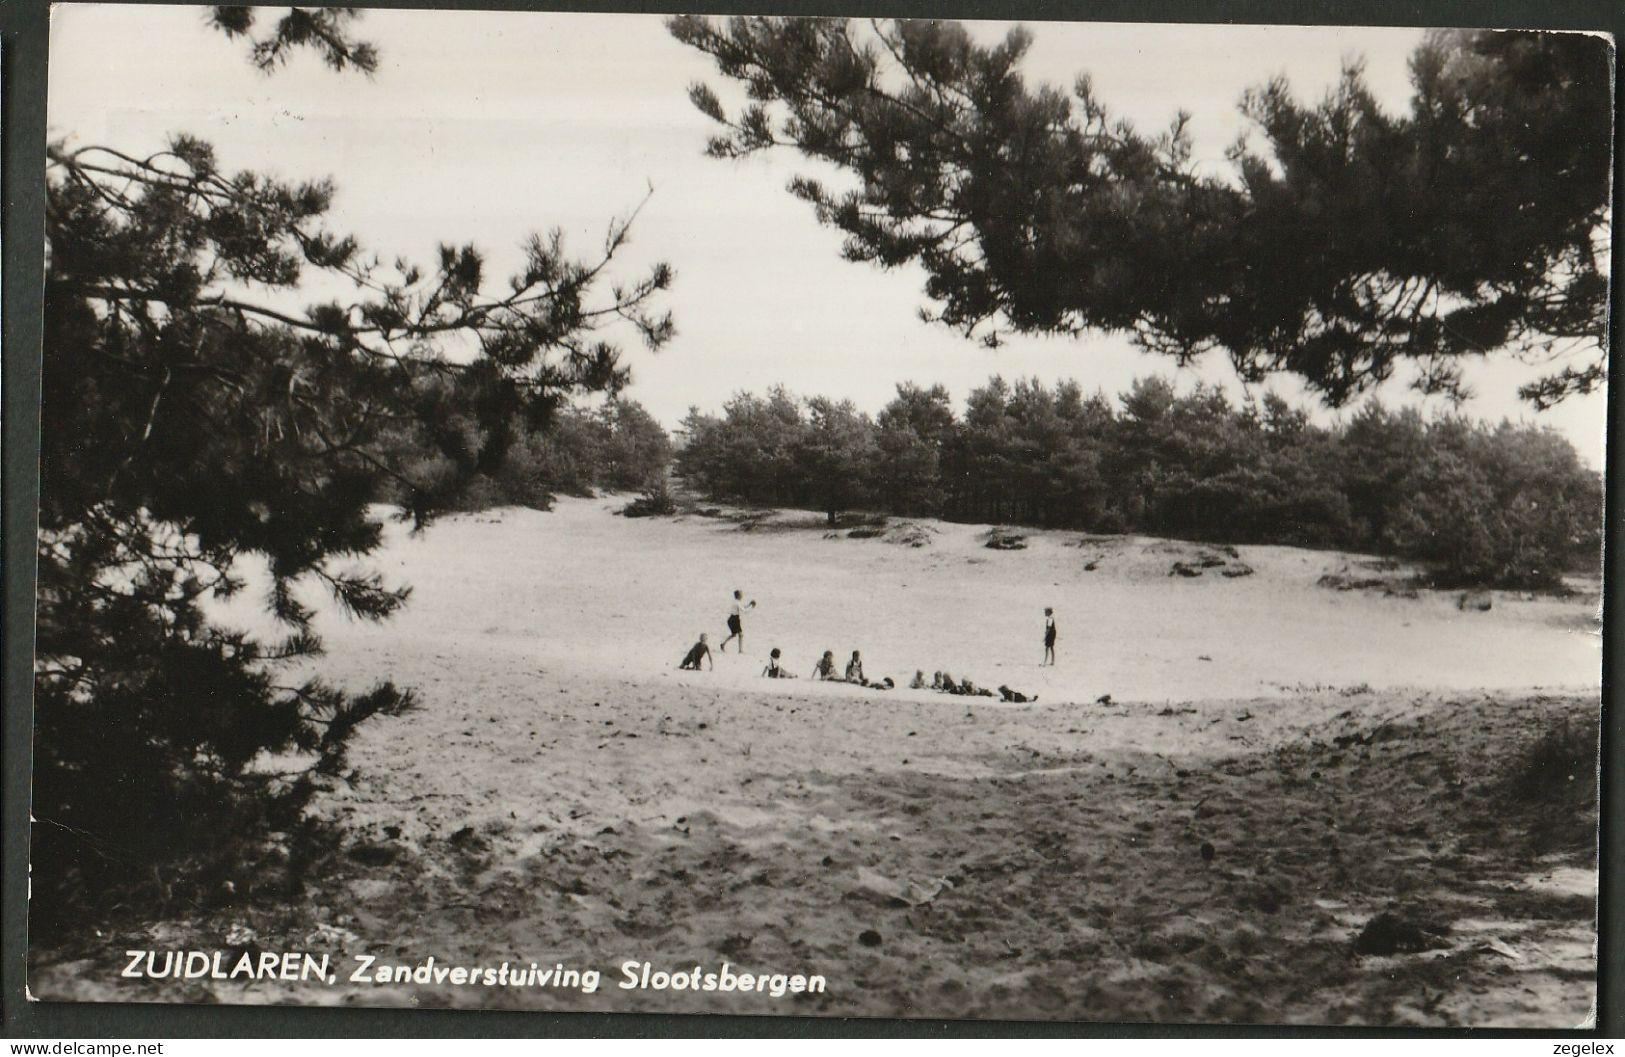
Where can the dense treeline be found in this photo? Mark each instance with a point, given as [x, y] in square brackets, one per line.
[1507, 505]
[617, 445]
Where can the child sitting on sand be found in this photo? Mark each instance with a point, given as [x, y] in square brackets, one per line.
[825, 668]
[918, 682]
[699, 650]
[854, 670]
[774, 669]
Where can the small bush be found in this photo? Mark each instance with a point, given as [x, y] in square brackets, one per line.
[1562, 759]
[657, 502]
[1552, 788]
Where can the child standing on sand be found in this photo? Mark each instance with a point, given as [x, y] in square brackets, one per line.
[699, 650]
[1049, 637]
[736, 625]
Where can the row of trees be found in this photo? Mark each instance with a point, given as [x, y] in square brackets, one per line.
[1509, 505]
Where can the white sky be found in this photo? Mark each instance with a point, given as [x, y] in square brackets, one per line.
[485, 126]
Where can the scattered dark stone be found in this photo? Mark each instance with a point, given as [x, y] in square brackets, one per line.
[1207, 851]
[826, 861]
[462, 836]
[1392, 933]
[1091, 566]
[1104, 699]
[869, 938]
[372, 854]
[392, 832]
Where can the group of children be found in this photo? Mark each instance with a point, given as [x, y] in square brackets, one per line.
[945, 683]
[824, 670]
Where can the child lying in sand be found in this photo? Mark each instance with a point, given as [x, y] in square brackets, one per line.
[774, 669]
[944, 681]
[699, 650]
[1016, 697]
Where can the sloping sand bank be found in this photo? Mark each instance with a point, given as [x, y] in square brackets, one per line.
[562, 796]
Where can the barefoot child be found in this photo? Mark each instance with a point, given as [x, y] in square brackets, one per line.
[1049, 637]
[698, 651]
[736, 625]
[774, 669]
[825, 668]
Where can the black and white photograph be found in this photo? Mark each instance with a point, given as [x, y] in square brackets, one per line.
[807, 516]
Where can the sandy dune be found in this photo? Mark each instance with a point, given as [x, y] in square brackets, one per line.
[562, 795]
[580, 590]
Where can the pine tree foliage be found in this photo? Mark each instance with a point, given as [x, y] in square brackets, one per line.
[224, 380]
[1342, 242]
[325, 30]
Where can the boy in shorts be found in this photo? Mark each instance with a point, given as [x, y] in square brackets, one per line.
[736, 625]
